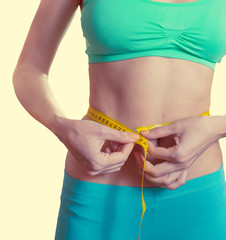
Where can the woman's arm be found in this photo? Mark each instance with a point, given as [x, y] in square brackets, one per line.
[30, 77]
[83, 138]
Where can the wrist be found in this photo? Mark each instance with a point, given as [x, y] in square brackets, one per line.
[216, 124]
[57, 123]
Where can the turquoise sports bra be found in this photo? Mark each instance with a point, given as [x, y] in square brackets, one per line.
[121, 29]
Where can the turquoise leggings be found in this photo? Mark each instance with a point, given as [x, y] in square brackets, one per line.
[94, 211]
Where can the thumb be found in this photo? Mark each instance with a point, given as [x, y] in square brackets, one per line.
[121, 155]
[161, 131]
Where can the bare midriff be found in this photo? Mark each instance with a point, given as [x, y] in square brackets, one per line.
[143, 91]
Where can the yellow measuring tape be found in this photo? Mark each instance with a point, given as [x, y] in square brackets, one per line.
[100, 117]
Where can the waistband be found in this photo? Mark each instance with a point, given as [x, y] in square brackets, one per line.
[210, 180]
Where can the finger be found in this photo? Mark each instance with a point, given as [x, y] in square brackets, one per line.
[149, 167]
[181, 180]
[164, 168]
[113, 168]
[139, 150]
[162, 152]
[107, 150]
[111, 171]
[163, 180]
[110, 146]
[121, 155]
[140, 161]
[162, 131]
[118, 135]
[100, 167]
[114, 146]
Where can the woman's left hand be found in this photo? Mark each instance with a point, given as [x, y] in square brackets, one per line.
[192, 135]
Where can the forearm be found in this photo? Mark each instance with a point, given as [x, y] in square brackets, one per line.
[32, 90]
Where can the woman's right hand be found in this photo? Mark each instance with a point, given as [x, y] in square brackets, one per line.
[86, 139]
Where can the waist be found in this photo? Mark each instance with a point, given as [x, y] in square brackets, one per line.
[146, 114]
[135, 105]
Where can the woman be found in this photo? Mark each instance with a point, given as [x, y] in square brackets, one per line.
[150, 62]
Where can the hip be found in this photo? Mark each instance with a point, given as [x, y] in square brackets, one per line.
[208, 162]
[195, 210]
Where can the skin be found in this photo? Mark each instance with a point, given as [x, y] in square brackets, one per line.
[135, 92]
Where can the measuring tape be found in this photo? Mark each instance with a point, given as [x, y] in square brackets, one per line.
[100, 117]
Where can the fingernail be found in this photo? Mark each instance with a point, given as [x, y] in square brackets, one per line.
[134, 136]
[145, 132]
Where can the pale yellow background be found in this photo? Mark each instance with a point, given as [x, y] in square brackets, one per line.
[32, 158]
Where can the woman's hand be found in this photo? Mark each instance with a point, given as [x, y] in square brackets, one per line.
[192, 136]
[85, 139]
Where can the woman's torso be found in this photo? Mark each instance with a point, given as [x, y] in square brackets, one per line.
[147, 90]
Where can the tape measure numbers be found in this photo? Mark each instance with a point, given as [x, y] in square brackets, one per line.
[100, 117]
